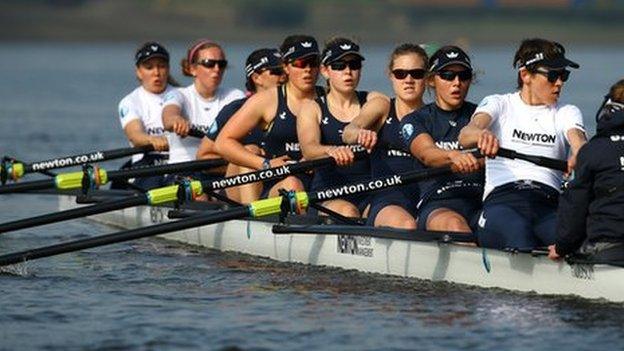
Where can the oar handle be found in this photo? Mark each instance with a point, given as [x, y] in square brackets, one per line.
[196, 133]
[538, 160]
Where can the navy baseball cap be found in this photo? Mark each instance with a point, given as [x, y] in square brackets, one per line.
[448, 55]
[555, 60]
[339, 49]
[261, 59]
[150, 50]
[307, 46]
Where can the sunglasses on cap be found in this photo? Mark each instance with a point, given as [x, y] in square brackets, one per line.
[450, 75]
[553, 74]
[274, 71]
[311, 61]
[417, 73]
[608, 109]
[353, 65]
[210, 63]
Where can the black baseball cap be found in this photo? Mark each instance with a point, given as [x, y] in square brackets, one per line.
[556, 59]
[339, 49]
[448, 55]
[150, 50]
[301, 47]
[261, 59]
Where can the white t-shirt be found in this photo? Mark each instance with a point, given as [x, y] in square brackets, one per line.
[145, 106]
[200, 112]
[534, 130]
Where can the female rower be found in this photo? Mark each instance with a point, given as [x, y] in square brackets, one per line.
[264, 70]
[519, 209]
[275, 111]
[450, 203]
[591, 209]
[382, 116]
[197, 105]
[140, 111]
[322, 121]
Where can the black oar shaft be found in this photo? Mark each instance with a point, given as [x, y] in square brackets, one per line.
[127, 235]
[190, 166]
[106, 206]
[27, 186]
[538, 160]
[91, 157]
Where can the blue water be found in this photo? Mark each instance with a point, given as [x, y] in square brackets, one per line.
[60, 99]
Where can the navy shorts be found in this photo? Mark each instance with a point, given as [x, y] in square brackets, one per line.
[388, 198]
[469, 208]
[520, 215]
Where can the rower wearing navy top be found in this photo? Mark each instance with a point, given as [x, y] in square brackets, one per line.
[450, 203]
[519, 209]
[591, 209]
[275, 111]
[322, 121]
[264, 70]
[377, 127]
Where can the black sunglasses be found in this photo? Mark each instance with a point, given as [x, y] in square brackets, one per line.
[311, 61]
[275, 71]
[417, 73]
[210, 63]
[450, 75]
[353, 65]
[553, 74]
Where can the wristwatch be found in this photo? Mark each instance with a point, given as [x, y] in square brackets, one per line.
[266, 164]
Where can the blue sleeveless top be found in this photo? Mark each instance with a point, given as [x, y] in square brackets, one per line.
[280, 137]
[331, 134]
[390, 157]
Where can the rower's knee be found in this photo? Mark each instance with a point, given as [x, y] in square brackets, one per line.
[447, 220]
[291, 183]
[343, 207]
[395, 217]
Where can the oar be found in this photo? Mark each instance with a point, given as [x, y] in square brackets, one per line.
[169, 194]
[291, 202]
[10, 170]
[99, 176]
[538, 160]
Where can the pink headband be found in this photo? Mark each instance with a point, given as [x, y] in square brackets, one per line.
[198, 45]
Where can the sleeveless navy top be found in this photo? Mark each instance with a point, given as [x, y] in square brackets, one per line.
[331, 134]
[390, 157]
[280, 137]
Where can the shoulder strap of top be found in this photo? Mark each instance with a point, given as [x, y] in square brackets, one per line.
[362, 95]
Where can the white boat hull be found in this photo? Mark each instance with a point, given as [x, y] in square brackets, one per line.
[423, 260]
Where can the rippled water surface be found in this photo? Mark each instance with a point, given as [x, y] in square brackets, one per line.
[152, 294]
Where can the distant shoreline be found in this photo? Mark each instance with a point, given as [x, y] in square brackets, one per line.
[269, 21]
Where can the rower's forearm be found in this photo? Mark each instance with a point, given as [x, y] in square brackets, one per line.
[236, 153]
[435, 157]
[350, 134]
[315, 151]
[469, 135]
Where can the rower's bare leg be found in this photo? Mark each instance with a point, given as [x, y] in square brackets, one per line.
[395, 217]
[343, 207]
[289, 183]
[444, 219]
[244, 193]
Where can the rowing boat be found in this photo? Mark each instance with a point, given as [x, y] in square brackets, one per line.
[406, 257]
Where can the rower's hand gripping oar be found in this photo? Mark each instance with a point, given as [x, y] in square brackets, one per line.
[257, 209]
[181, 193]
[538, 160]
[12, 170]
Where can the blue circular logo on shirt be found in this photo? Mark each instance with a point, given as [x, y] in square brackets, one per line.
[407, 130]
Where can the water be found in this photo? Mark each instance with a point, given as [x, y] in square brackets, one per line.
[61, 99]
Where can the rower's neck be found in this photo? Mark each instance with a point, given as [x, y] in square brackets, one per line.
[294, 92]
[404, 107]
[203, 91]
[341, 100]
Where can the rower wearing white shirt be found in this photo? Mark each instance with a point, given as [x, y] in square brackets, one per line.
[140, 111]
[197, 105]
[520, 199]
